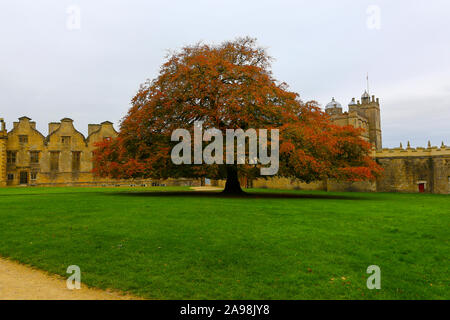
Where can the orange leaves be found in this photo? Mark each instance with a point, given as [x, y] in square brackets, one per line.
[229, 86]
[287, 147]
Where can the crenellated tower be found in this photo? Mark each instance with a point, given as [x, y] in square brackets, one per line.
[370, 107]
[364, 113]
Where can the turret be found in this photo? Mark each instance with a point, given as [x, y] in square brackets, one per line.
[365, 98]
[370, 107]
[333, 107]
[352, 105]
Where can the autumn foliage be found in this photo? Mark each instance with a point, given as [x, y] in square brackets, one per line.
[229, 86]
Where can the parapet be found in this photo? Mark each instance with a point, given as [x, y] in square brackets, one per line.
[53, 126]
[430, 151]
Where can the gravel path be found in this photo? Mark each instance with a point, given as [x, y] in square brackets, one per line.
[19, 282]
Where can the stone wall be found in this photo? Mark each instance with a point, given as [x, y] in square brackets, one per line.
[123, 183]
[62, 142]
[403, 171]
[3, 138]
[287, 183]
[358, 186]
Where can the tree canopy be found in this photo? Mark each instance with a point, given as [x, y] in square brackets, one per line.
[229, 86]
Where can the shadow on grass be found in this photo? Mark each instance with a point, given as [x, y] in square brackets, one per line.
[245, 195]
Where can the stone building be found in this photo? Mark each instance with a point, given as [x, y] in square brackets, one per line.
[64, 156]
[414, 169]
[405, 169]
[361, 114]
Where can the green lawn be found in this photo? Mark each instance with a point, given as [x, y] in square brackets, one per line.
[187, 245]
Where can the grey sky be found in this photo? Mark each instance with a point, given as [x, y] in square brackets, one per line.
[322, 49]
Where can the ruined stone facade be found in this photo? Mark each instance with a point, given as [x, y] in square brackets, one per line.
[63, 157]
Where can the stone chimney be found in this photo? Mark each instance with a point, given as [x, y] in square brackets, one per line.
[66, 124]
[2, 125]
[53, 126]
[92, 128]
[107, 124]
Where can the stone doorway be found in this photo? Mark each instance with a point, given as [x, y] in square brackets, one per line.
[421, 187]
[23, 177]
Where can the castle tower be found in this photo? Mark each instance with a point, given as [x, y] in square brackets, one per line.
[333, 107]
[370, 107]
[3, 137]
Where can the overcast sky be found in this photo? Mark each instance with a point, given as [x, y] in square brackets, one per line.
[51, 67]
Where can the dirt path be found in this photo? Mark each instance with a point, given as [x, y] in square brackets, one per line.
[19, 282]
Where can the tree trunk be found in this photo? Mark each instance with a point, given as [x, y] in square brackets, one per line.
[232, 186]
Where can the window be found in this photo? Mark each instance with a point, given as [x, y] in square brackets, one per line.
[10, 177]
[23, 177]
[33, 175]
[34, 156]
[23, 139]
[65, 140]
[76, 157]
[11, 157]
[54, 160]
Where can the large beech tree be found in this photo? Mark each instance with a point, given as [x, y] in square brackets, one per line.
[229, 86]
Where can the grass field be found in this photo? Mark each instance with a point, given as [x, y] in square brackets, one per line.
[188, 245]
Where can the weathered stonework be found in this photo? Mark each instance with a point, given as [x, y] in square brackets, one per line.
[405, 170]
[364, 114]
[62, 158]
[3, 139]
